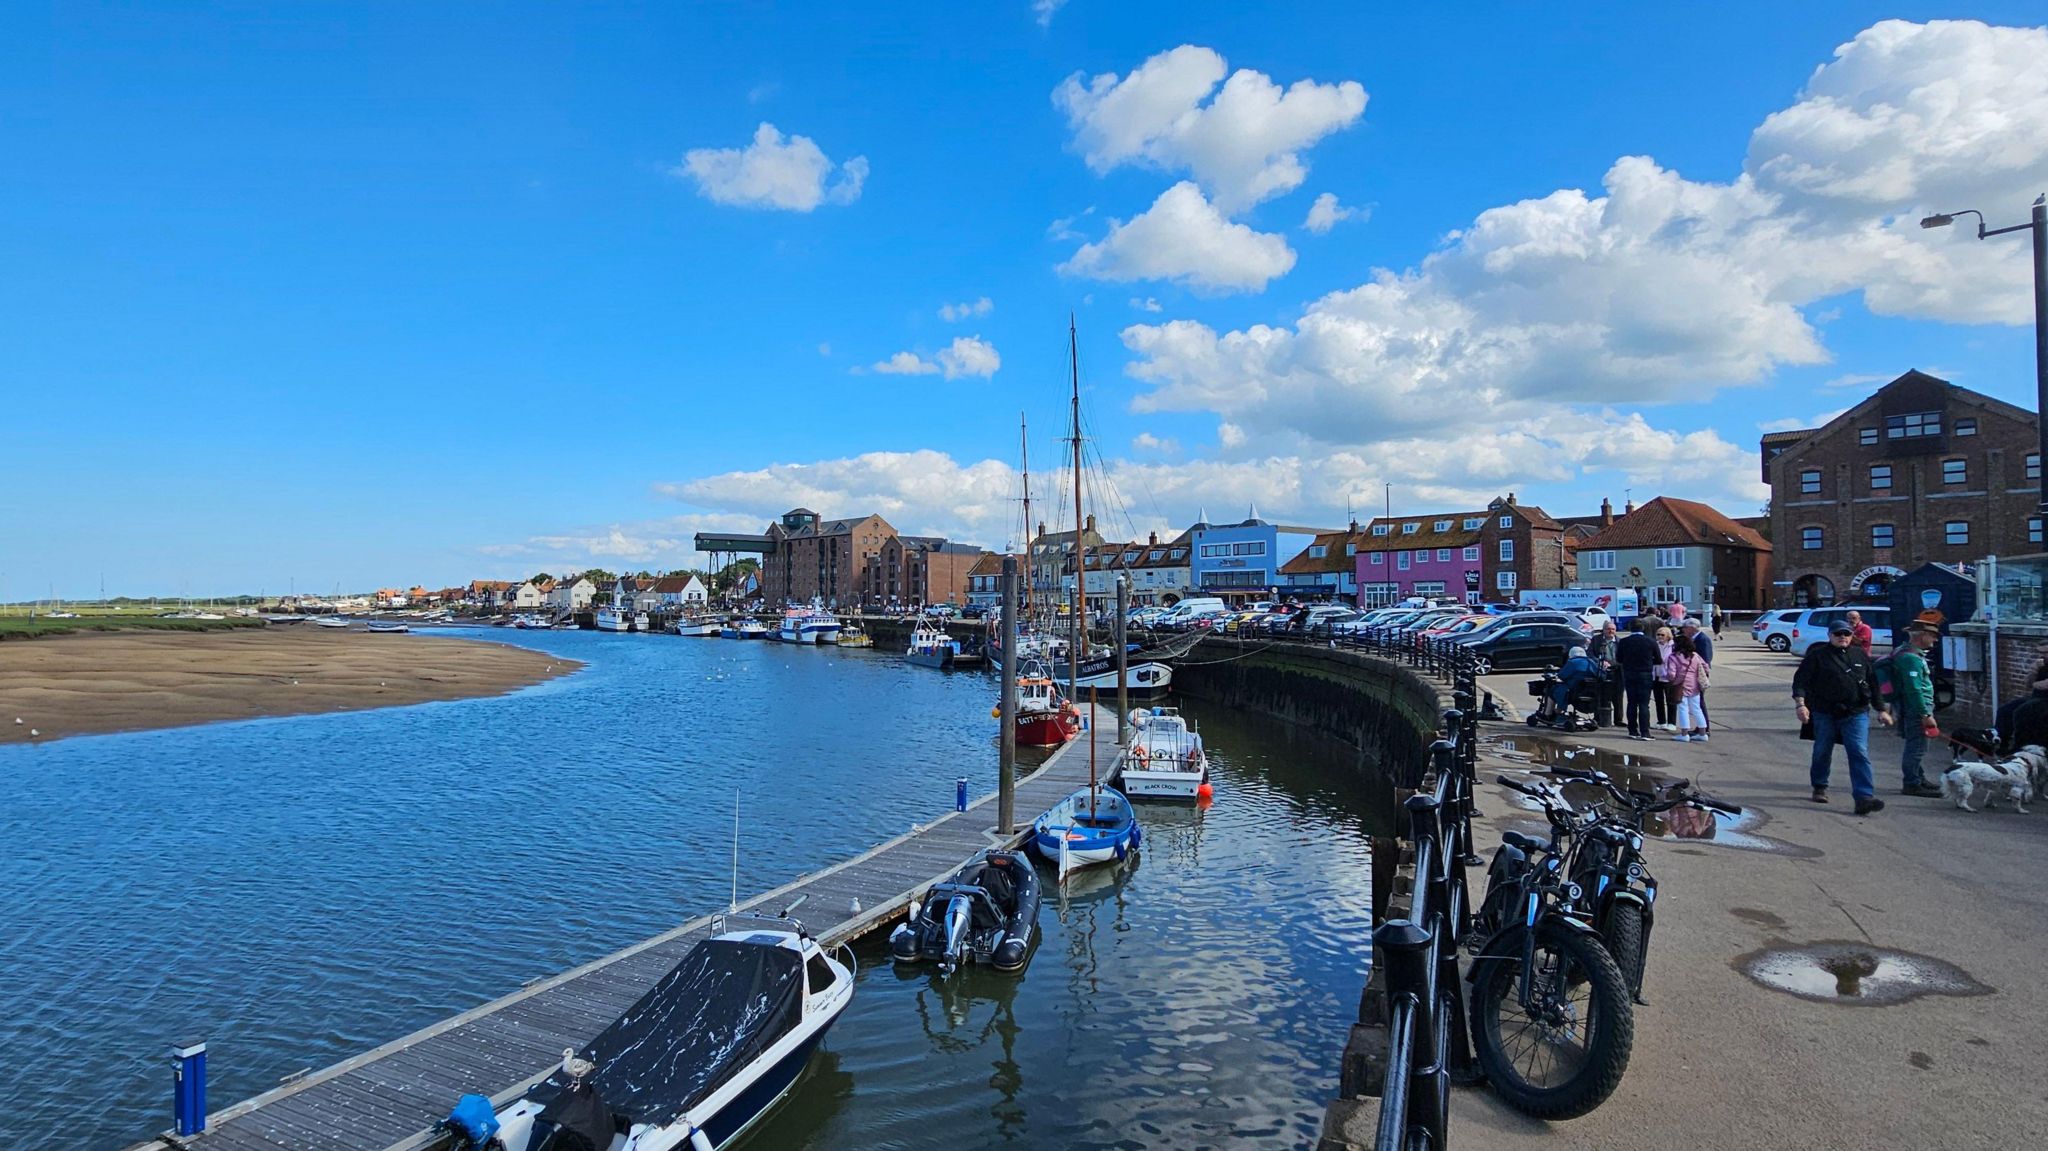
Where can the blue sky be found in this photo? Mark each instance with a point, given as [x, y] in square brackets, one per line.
[364, 294]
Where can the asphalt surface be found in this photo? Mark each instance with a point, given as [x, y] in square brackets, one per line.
[1723, 1061]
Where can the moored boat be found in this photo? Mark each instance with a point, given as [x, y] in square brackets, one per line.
[1044, 717]
[613, 619]
[1165, 759]
[986, 913]
[335, 622]
[386, 627]
[852, 634]
[745, 629]
[698, 627]
[812, 625]
[695, 1062]
[1093, 825]
[930, 646]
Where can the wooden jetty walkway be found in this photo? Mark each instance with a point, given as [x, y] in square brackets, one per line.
[388, 1098]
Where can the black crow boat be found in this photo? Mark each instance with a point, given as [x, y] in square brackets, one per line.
[986, 913]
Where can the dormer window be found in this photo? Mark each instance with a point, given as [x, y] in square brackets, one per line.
[1380, 529]
[1317, 551]
[1410, 529]
[1443, 525]
[1475, 523]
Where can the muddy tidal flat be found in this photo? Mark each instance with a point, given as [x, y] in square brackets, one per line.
[94, 683]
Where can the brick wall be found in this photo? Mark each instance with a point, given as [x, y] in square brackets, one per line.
[2021, 648]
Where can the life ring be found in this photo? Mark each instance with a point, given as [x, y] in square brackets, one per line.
[1138, 754]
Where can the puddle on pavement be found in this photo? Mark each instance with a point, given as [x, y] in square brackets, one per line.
[1637, 773]
[1856, 974]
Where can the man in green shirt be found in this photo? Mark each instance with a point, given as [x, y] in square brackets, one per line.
[1913, 687]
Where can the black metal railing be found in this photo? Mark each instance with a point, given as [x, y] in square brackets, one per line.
[1427, 1044]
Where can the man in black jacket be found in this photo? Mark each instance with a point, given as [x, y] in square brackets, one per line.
[1636, 657]
[1834, 690]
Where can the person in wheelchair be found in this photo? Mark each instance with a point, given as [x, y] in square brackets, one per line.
[1574, 685]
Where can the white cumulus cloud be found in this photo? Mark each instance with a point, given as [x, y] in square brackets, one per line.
[1325, 213]
[906, 364]
[953, 313]
[1145, 303]
[1243, 146]
[969, 356]
[1183, 238]
[774, 172]
[1043, 10]
[1147, 442]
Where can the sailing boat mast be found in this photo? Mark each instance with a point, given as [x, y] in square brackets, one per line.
[1074, 650]
[1024, 447]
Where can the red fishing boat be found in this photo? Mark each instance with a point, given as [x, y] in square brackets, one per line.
[1044, 717]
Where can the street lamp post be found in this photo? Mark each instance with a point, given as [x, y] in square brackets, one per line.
[2038, 225]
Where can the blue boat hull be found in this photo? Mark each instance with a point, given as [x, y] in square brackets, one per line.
[759, 1098]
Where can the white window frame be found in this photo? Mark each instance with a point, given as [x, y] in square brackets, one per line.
[1597, 561]
[1443, 555]
[1504, 581]
[1377, 557]
[1670, 559]
[1507, 521]
[1318, 551]
[1401, 561]
[1382, 529]
[1472, 553]
[1507, 551]
[1410, 529]
[1443, 525]
[1474, 524]
[1351, 549]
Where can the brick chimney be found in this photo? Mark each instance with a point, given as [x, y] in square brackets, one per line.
[1606, 512]
[1091, 521]
[1628, 508]
[1511, 499]
[1155, 540]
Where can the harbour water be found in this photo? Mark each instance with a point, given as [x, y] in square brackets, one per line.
[296, 891]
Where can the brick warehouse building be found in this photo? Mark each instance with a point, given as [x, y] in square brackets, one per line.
[1921, 470]
[824, 559]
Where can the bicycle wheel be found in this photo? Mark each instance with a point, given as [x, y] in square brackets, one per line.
[1623, 934]
[1563, 1054]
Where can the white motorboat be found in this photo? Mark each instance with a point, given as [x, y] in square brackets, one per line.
[641, 622]
[335, 622]
[697, 627]
[613, 619]
[812, 625]
[744, 628]
[1098, 674]
[695, 1063]
[1165, 759]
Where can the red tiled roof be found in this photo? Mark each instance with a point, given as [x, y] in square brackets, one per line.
[1333, 558]
[1666, 522]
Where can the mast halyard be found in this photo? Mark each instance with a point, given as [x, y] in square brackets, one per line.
[1076, 648]
[1024, 446]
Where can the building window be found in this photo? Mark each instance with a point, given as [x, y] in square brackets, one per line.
[1507, 521]
[1401, 560]
[1443, 555]
[1809, 538]
[1350, 549]
[1317, 551]
[1912, 426]
[1410, 529]
[2033, 529]
[1956, 532]
[1867, 437]
[2034, 466]
[1966, 427]
[1429, 587]
[1880, 535]
[1379, 529]
[1505, 581]
[1597, 561]
[1443, 525]
[1473, 525]
[1955, 471]
[1880, 477]
[1507, 551]
[1472, 554]
[1670, 557]
[1809, 483]
[1379, 557]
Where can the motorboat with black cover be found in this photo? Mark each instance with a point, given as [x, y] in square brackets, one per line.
[987, 913]
[700, 1057]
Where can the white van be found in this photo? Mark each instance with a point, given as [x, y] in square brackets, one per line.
[1191, 609]
[1618, 603]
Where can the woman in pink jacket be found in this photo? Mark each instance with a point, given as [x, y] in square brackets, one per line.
[1688, 674]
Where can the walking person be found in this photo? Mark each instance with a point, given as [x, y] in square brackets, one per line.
[1913, 687]
[1720, 618]
[1666, 699]
[1702, 646]
[1688, 677]
[1835, 689]
[1637, 658]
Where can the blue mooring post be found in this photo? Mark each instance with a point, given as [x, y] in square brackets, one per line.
[188, 1091]
[960, 794]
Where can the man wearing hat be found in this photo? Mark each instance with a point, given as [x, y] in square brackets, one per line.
[1913, 689]
[1835, 689]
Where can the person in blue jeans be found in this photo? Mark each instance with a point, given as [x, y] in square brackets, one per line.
[1835, 689]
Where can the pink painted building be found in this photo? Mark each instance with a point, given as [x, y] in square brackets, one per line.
[1437, 555]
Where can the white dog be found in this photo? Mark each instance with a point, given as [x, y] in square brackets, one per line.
[2018, 778]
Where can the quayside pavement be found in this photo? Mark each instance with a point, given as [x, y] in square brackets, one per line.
[387, 1098]
[1722, 1061]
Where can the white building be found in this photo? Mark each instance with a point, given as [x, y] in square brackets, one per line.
[571, 595]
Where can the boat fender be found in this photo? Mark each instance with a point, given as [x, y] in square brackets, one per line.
[699, 1141]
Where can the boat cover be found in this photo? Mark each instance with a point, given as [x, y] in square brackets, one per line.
[718, 1010]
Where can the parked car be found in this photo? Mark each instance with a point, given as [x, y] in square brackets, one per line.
[1811, 626]
[1523, 646]
[1773, 629]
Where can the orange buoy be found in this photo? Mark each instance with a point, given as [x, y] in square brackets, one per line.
[996, 712]
[1205, 793]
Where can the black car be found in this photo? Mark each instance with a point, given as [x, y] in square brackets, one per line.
[1525, 646]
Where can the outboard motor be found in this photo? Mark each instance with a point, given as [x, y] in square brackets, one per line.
[959, 911]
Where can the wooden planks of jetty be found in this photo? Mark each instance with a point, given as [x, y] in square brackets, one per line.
[387, 1099]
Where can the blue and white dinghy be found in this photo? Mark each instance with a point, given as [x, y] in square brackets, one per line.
[1093, 825]
[696, 1062]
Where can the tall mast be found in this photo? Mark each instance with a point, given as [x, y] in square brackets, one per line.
[1024, 445]
[1080, 576]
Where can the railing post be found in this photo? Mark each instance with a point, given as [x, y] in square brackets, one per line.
[1401, 949]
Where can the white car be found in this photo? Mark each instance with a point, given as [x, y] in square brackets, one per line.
[1773, 629]
[1811, 626]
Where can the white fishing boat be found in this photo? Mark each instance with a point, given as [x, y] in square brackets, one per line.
[614, 619]
[641, 622]
[331, 621]
[1165, 759]
[812, 625]
[694, 1064]
[744, 628]
[930, 646]
[697, 627]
